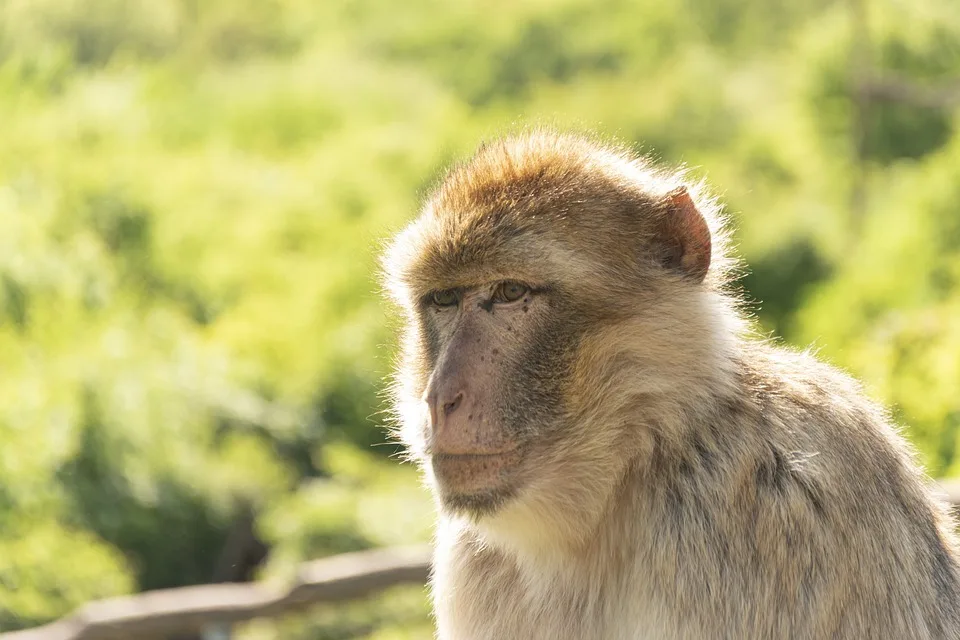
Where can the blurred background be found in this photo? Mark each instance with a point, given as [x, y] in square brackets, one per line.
[192, 196]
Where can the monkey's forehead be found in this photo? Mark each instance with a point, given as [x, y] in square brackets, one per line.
[434, 254]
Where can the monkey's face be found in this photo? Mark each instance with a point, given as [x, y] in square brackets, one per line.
[539, 280]
[494, 391]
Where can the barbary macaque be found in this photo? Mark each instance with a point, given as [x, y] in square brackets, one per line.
[614, 454]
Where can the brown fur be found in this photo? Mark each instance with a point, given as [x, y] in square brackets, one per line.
[689, 481]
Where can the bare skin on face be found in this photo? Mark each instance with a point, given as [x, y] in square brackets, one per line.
[614, 455]
[473, 453]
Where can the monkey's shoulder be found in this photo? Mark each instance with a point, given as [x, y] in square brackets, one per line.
[798, 397]
[817, 438]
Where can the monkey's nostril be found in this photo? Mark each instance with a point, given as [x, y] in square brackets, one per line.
[450, 407]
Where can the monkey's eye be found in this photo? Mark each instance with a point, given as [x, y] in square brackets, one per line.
[510, 291]
[445, 298]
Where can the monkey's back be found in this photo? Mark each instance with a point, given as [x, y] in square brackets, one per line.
[796, 510]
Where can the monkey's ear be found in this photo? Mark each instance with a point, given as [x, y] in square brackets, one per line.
[683, 236]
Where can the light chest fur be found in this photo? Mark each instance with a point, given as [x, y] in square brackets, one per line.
[483, 595]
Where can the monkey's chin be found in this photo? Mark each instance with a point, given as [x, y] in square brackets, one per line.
[475, 485]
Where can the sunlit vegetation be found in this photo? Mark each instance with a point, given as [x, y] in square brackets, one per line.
[192, 195]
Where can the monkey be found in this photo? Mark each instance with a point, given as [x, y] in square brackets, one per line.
[616, 452]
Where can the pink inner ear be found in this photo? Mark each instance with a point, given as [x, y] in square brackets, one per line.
[689, 229]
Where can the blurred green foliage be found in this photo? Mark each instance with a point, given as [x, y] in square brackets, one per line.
[192, 195]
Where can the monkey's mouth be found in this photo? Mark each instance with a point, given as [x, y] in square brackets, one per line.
[469, 474]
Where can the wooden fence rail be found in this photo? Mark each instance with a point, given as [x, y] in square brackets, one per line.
[163, 613]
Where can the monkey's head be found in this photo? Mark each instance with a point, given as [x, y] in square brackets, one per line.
[558, 294]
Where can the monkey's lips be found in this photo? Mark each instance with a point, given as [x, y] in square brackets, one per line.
[467, 474]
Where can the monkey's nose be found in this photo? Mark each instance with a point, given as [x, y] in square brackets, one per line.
[442, 403]
[457, 426]
[453, 405]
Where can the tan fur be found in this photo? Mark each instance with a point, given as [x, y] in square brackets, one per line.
[702, 483]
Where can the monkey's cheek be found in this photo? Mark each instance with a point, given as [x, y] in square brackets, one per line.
[473, 474]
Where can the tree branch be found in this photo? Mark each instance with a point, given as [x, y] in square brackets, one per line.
[897, 89]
